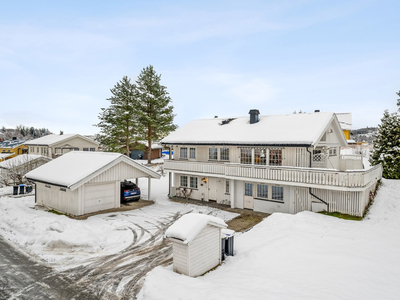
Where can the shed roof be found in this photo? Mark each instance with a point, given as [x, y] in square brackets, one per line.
[190, 225]
[56, 138]
[76, 168]
[20, 160]
[293, 129]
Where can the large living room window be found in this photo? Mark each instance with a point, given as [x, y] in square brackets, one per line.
[260, 156]
[245, 156]
[224, 153]
[275, 157]
[183, 152]
[212, 153]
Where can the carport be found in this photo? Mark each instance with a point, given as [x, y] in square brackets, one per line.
[83, 182]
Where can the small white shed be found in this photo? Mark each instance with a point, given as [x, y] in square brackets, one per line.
[196, 240]
[83, 182]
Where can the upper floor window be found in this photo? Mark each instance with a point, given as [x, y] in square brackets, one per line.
[224, 153]
[213, 153]
[260, 156]
[332, 152]
[85, 149]
[183, 152]
[245, 156]
[275, 157]
[76, 149]
[92, 149]
[192, 153]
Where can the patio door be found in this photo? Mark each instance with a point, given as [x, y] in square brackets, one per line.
[248, 195]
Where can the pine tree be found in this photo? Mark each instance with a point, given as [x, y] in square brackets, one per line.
[154, 110]
[118, 122]
[387, 144]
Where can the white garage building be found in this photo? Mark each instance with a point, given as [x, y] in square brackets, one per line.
[80, 182]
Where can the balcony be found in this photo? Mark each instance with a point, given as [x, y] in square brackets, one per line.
[295, 176]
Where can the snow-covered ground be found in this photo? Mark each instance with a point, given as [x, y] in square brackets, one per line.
[303, 256]
[66, 242]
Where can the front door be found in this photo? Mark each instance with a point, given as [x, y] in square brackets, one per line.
[248, 195]
[212, 189]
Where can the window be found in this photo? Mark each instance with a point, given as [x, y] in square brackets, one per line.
[37, 149]
[193, 182]
[85, 149]
[248, 189]
[63, 189]
[227, 187]
[41, 150]
[262, 191]
[277, 193]
[275, 157]
[224, 153]
[183, 180]
[332, 152]
[260, 156]
[183, 152]
[245, 156]
[192, 153]
[76, 149]
[48, 186]
[92, 149]
[213, 153]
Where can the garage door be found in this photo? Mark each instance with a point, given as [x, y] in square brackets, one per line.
[99, 197]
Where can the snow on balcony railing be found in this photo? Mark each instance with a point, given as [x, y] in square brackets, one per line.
[359, 178]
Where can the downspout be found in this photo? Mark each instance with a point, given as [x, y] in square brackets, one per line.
[309, 189]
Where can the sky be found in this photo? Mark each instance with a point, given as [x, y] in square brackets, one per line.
[59, 59]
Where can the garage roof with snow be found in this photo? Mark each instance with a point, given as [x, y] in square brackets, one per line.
[51, 139]
[75, 168]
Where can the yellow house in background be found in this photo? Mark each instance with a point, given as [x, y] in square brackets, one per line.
[12, 148]
[345, 123]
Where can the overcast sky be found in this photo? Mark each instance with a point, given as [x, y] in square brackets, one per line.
[59, 59]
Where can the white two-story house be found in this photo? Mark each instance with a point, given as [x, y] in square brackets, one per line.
[286, 163]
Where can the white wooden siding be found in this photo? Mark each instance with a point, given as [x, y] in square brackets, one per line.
[118, 172]
[180, 258]
[53, 197]
[205, 251]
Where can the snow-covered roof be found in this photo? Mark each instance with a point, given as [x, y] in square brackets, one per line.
[5, 155]
[344, 120]
[20, 160]
[190, 225]
[80, 166]
[293, 129]
[11, 143]
[56, 138]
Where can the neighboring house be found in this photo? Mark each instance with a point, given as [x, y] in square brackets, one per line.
[12, 148]
[140, 150]
[14, 169]
[80, 182]
[54, 145]
[287, 163]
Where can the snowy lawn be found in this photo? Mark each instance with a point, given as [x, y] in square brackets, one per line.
[66, 242]
[303, 256]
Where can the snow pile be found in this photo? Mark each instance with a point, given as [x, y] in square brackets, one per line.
[66, 242]
[303, 256]
[190, 225]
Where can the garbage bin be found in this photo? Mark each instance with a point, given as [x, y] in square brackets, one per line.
[28, 189]
[228, 237]
[15, 190]
[22, 189]
[222, 247]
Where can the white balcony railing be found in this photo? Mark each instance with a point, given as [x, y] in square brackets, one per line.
[359, 178]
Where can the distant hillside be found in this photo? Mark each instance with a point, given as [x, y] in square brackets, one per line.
[23, 132]
[364, 134]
